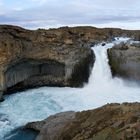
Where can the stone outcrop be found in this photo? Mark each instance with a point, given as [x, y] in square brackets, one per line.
[37, 58]
[110, 122]
[124, 60]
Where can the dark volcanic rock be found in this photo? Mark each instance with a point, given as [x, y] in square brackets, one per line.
[124, 60]
[110, 122]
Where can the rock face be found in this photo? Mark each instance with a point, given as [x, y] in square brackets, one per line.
[37, 58]
[110, 122]
[124, 60]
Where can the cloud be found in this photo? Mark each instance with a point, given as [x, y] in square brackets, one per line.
[40, 2]
[54, 13]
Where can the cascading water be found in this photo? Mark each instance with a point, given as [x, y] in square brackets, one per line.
[101, 73]
[37, 104]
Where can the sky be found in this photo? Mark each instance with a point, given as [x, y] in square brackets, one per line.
[34, 14]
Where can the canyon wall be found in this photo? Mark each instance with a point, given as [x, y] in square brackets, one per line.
[54, 57]
[124, 60]
[41, 58]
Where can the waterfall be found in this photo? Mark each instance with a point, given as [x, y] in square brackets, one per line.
[101, 73]
[37, 104]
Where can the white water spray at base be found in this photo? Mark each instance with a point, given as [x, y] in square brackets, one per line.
[37, 104]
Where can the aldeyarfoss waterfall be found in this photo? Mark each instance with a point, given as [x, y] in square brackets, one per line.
[37, 104]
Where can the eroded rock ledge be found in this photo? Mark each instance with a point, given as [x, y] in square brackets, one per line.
[110, 122]
[124, 60]
[42, 57]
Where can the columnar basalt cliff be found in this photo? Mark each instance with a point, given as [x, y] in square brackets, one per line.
[124, 60]
[36, 58]
[110, 122]
[54, 57]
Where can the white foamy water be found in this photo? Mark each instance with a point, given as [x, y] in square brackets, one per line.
[37, 104]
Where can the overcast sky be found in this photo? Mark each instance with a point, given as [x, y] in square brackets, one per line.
[55, 13]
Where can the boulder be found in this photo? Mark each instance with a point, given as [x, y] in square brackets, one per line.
[110, 122]
[124, 60]
[54, 126]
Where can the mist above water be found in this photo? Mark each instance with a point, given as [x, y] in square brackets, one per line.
[38, 104]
